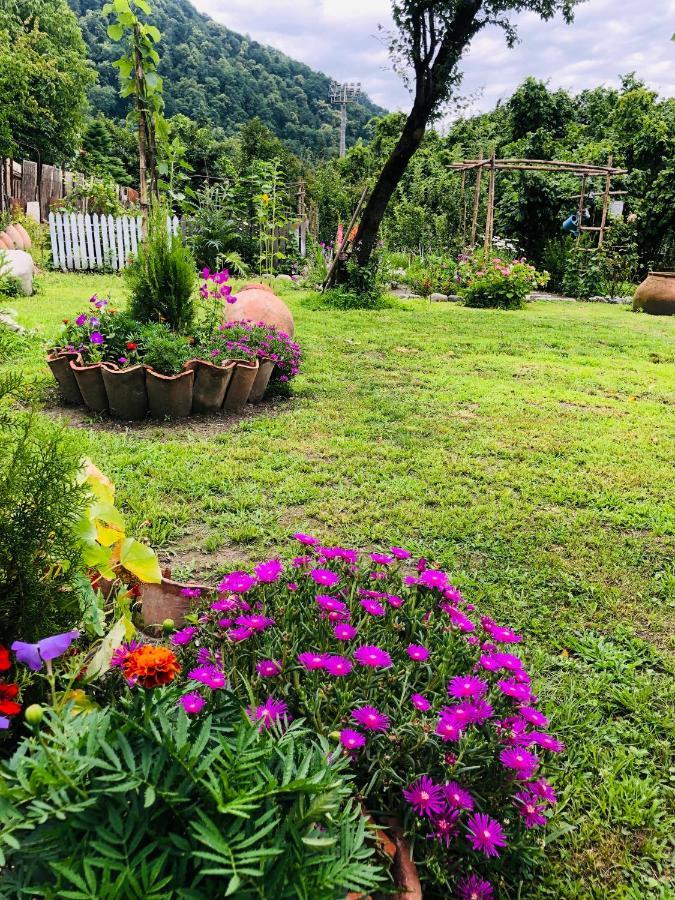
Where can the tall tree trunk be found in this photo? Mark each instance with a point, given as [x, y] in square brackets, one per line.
[390, 176]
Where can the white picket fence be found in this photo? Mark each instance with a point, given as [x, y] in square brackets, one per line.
[96, 242]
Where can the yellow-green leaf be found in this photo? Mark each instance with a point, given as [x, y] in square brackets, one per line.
[140, 561]
[121, 631]
[100, 559]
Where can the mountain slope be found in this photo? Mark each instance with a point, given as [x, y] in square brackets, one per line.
[214, 75]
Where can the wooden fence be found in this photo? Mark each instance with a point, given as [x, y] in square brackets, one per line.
[82, 241]
[36, 188]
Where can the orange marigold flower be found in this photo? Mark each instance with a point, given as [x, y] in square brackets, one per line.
[150, 666]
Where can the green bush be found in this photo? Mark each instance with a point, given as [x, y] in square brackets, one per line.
[164, 350]
[162, 278]
[607, 272]
[489, 282]
[40, 502]
[138, 800]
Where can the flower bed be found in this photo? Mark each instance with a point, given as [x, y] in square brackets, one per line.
[391, 666]
[109, 362]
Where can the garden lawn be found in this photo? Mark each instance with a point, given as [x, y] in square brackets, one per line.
[529, 453]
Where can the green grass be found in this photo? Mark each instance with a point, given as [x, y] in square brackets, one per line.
[529, 453]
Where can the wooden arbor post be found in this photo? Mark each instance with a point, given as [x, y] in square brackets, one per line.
[490, 218]
[476, 199]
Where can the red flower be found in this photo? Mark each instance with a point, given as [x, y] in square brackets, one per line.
[7, 705]
[131, 345]
[4, 659]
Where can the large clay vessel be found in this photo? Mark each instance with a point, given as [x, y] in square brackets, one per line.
[25, 237]
[656, 294]
[258, 303]
[59, 363]
[169, 396]
[211, 383]
[166, 601]
[126, 390]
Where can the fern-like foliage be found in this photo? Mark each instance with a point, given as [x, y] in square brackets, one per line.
[40, 502]
[139, 801]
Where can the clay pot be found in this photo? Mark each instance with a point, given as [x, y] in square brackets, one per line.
[126, 390]
[169, 396]
[211, 383]
[260, 304]
[262, 379]
[241, 383]
[404, 869]
[165, 601]
[25, 237]
[256, 286]
[656, 294]
[59, 363]
[5, 242]
[14, 236]
[90, 382]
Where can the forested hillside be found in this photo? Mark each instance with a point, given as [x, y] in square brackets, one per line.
[214, 75]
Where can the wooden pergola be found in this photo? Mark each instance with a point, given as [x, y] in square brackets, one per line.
[584, 171]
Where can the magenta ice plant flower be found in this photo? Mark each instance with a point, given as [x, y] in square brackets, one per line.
[473, 887]
[448, 729]
[382, 559]
[433, 578]
[191, 593]
[425, 797]
[269, 712]
[533, 716]
[269, 572]
[372, 607]
[417, 652]
[400, 553]
[486, 834]
[370, 718]
[184, 636]
[268, 668]
[514, 689]
[337, 665]
[344, 632]
[255, 622]
[521, 762]
[530, 808]
[543, 789]
[457, 797]
[192, 703]
[419, 701]
[237, 583]
[369, 655]
[311, 661]
[324, 577]
[306, 539]
[467, 686]
[444, 827]
[352, 739]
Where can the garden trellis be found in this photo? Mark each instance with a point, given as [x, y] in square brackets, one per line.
[80, 241]
[584, 171]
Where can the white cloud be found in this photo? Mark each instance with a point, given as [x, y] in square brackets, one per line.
[341, 38]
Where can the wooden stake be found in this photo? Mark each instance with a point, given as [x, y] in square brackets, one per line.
[490, 218]
[476, 200]
[605, 203]
[464, 210]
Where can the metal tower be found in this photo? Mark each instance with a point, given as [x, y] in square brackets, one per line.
[341, 95]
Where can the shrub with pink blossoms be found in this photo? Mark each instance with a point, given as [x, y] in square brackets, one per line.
[431, 702]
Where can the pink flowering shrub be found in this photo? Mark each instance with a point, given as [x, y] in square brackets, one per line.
[489, 281]
[431, 702]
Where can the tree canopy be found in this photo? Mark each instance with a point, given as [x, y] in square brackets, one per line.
[44, 78]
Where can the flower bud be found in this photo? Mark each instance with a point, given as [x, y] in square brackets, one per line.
[168, 625]
[34, 713]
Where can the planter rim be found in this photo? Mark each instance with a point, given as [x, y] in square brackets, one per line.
[113, 367]
[73, 365]
[59, 354]
[248, 363]
[182, 374]
[198, 361]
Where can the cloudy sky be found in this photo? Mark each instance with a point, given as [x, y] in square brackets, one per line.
[340, 38]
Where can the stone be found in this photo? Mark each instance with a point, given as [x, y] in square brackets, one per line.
[284, 278]
[19, 264]
[438, 298]
[33, 210]
[8, 319]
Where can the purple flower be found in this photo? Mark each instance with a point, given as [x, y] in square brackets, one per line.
[269, 712]
[419, 701]
[209, 675]
[184, 636]
[498, 633]
[496, 661]
[94, 322]
[344, 632]
[467, 686]
[457, 797]
[448, 729]
[543, 789]
[533, 716]
[269, 572]
[400, 553]
[268, 668]
[240, 634]
[524, 764]
[445, 827]
[33, 655]
[417, 652]
[351, 739]
[226, 604]
[305, 539]
[337, 665]
[254, 622]
[382, 559]
[192, 703]
[395, 601]
[370, 655]
[530, 808]
[96, 337]
[434, 578]
[373, 607]
[425, 797]
[473, 887]
[458, 618]
[370, 718]
[191, 593]
[237, 582]
[331, 604]
[324, 577]
[486, 834]
[4, 723]
[81, 319]
[312, 660]
[514, 689]
[545, 741]
[122, 360]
